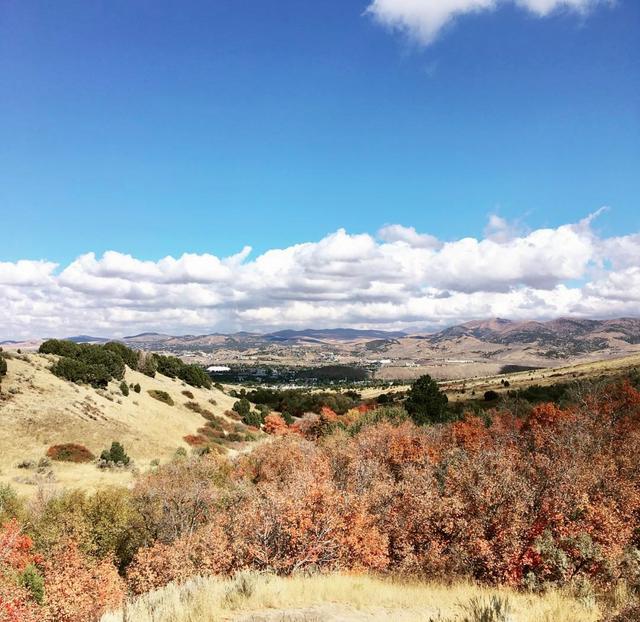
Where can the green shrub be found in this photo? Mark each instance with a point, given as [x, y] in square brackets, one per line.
[300, 401]
[33, 581]
[173, 367]
[115, 455]
[70, 452]
[252, 418]
[61, 347]
[161, 396]
[168, 365]
[195, 376]
[84, 363]
[3, 366]
[129, 356]
[426, 403]
[124, 388]
[264, 410]
[137, 388]
[11, 505]
[242, 407]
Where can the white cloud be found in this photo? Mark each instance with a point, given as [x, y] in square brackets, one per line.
[399, 233]
[25, 272]
[423, 20]
[398, 278]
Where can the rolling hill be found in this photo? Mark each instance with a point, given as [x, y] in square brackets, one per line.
[38, 410]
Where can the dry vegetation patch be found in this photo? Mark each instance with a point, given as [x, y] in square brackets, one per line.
[161, 396]
[337, 597]
[70, 452]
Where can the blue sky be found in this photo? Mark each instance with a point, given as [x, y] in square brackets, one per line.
[155, 128]
[383, 163]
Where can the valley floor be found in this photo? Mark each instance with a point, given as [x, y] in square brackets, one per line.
[252, 597]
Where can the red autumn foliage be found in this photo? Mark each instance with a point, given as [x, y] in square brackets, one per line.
[545, 499]
[195, 440]
[328, 415]
[16, 603]
[275, 424]
[77, 587]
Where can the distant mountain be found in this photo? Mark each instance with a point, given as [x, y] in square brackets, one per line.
[554, 339]
[560, 337]
[334, 334]
[473, 348]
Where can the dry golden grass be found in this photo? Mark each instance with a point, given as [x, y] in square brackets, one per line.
[544, 377]
[335, 597]
[38, 410]
[481, 382]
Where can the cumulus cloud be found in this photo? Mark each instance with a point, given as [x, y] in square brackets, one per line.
[396, 278]
[399, 233]
[423, 20]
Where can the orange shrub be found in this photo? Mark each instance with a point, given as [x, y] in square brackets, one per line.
[78, 587]
[206, 551]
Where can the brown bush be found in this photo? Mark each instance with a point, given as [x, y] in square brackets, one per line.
[70, 452]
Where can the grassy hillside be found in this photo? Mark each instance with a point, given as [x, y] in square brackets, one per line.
[38, 410]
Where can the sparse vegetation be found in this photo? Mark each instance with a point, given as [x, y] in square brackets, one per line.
[161, 396]
[305, 598]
